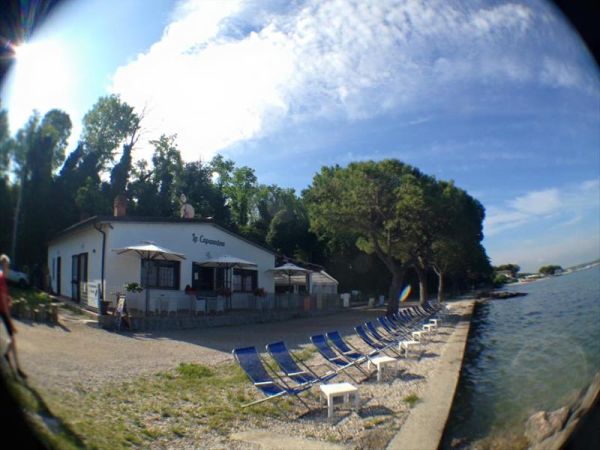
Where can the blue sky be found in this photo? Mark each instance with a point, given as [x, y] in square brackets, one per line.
[500, 96]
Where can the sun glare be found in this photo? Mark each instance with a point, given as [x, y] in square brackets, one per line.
[42, 76]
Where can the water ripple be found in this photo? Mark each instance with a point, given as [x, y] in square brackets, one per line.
[528, 353]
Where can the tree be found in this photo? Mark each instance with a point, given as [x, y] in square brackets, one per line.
[512, 268]
[37, 150]
[361, 201]
[6, 197]
[550, 269]
[110, 123]
[457, 243]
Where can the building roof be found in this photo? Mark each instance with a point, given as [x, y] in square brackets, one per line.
[133, 219]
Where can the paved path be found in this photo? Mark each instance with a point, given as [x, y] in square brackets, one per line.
[424, 428]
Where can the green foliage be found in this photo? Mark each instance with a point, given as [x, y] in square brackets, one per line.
[107, 125]
[412, 400]
[513, 268]
[550, 269]
[134, 287]
[499, 280]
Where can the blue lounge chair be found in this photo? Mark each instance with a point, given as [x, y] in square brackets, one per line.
[376, 345]
[250, 362]
[346, 349]
[339, 362]
[291, 366]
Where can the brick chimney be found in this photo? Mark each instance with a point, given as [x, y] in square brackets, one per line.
[120, 206]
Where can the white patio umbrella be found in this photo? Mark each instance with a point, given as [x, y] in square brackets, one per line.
[290, 269]
[149, 251]
[228, 262]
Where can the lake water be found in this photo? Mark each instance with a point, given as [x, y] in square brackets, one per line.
[527, 354]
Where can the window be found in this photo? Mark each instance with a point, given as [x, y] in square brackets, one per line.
[245, 280]
[161, 274]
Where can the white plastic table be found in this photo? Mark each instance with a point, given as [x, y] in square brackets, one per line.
[380, 362]
[406, 345]
[337, 391]
[428, 327]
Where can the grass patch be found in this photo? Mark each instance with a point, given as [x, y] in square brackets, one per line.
[374, 422]
[40, 417]
[304, 354]
[412, 400]
[31, 296]
[164, 407]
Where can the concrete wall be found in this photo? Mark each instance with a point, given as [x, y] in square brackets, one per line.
[88, 241]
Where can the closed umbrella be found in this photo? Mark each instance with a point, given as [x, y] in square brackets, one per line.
[149, 251]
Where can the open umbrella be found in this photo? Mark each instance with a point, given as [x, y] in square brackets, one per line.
[149, 251]
[290, 269]
[228, 262]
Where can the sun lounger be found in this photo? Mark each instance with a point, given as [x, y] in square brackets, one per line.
[338, 361]
[250, 362]
[391, 341]
[374, 344]
[291, 366]
[346, 349]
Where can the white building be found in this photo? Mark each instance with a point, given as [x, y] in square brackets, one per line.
[84, 267]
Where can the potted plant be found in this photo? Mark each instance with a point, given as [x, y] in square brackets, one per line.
[260, 292]
[134, 287]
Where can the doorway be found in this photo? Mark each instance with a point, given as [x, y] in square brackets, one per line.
[58, 274]
[79, 277]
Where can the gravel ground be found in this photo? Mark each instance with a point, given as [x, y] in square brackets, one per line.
[78, 355]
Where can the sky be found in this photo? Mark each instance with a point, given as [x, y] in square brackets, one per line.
[500, 96]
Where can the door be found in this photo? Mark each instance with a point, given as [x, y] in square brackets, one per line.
[79, 277]
[83, 277]
[75, 277]
[203, 278]
[58, 275]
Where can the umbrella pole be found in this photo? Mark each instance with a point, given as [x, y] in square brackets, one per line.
[147, 281]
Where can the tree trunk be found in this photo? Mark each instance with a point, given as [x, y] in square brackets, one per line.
[395, 288]
[15, 230]
[441, 292]
[423, 294]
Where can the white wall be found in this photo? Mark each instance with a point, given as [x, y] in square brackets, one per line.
[126, 268]
[87, 240]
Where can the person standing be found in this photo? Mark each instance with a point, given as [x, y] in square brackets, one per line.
[5, 302]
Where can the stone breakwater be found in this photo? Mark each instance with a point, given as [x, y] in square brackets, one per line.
[574, 426]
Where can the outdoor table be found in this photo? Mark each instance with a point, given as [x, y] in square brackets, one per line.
[428, 327]
[335, 392]
[406, 345]
[380, 362]
[418, 335]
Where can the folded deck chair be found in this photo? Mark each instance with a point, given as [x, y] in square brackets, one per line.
[291, 366]
[338, 361]
[250, 362]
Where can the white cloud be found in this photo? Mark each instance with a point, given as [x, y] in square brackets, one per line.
[538, 202]
[225, 72]
[566, 207]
